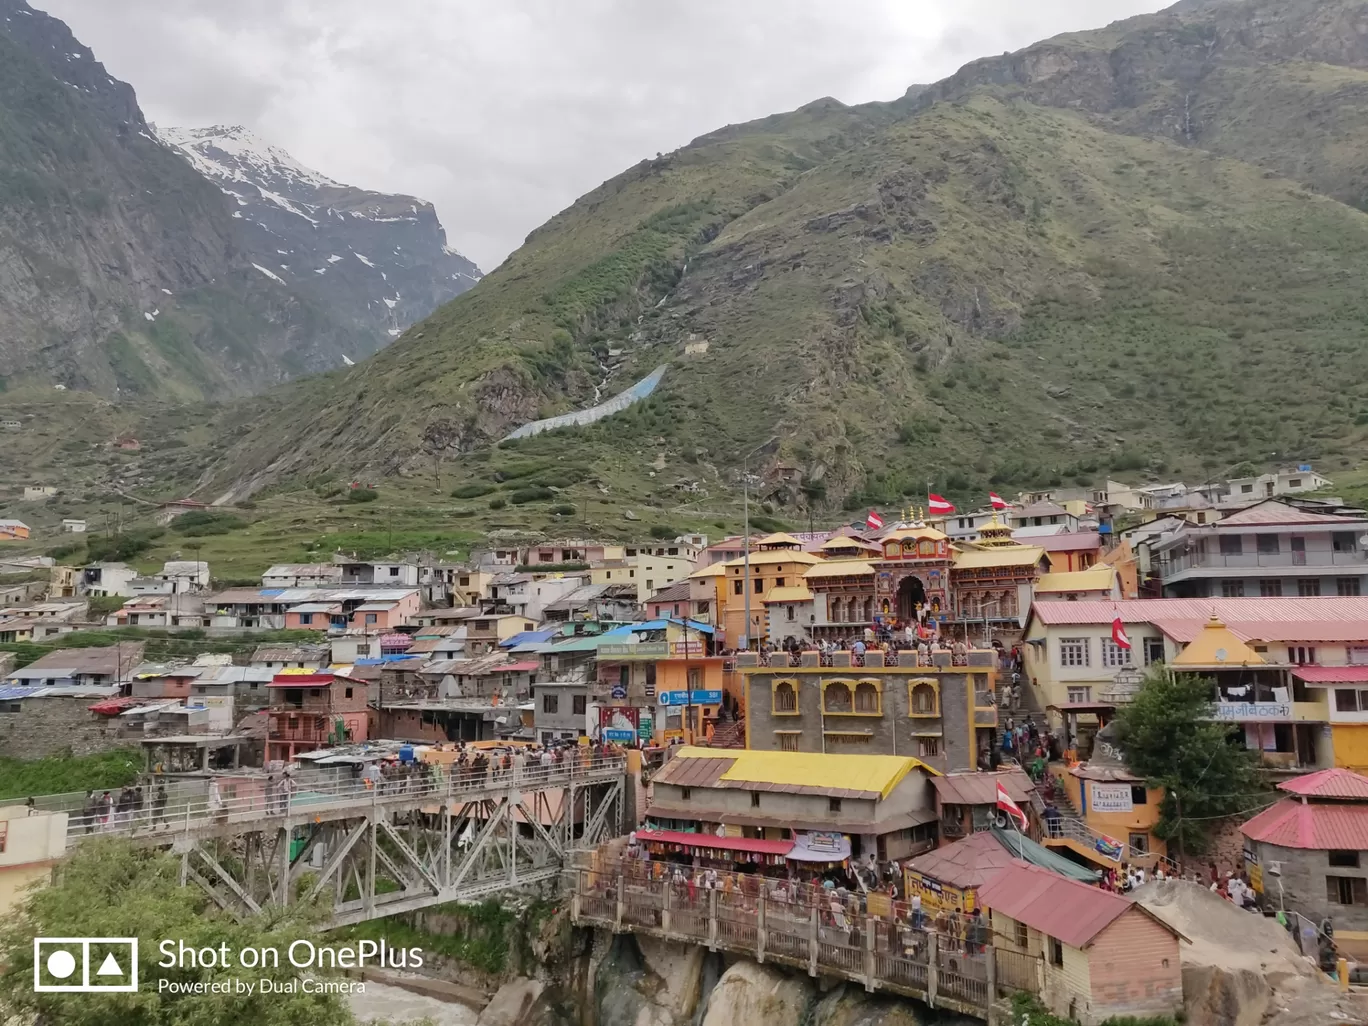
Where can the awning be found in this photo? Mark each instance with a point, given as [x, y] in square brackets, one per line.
[1332, 674]
[820, 847]
[711, 842]
[113, 706]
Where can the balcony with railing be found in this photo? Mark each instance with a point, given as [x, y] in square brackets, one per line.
[1312, 561]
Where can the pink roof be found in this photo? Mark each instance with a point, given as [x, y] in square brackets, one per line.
[1078, 541]
[1329, 783]
[517, 667]
[753, 845]
[1328, 618]
[1274, 512]
[1073, 912]
[1297, 823]
[1332, 674]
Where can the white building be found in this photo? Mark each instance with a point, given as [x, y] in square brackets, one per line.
[1282, 482]
[302, 575]
[73, 526]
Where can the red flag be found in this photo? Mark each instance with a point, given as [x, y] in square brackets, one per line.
[1005, 803]
[874, 522]
[937, 504]
[997, 500]
[1119, 633]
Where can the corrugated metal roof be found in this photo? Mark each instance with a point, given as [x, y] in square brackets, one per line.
[1332, 674]
[840, 568]
[866, 774]
[976, 859]
[1328, 618]
[1077, 542]
[1101, 576]
[1274, 512]
[1023, 555]
[1328, 783]
[1073, 912]
[787, 594]
[1295, 823]
[975, 788]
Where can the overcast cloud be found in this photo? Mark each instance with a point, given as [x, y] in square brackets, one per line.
[502, 112]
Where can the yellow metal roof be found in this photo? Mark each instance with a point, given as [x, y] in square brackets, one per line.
[1015, 555]
[798, 594]
[711, 570]
[777, 556]
[879, 773]
[920, 533]
[839, 568]
[1097, 578]
[847, 542]
[780, 538]
[1216, 646]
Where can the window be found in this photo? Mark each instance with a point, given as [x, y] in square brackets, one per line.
[394, 571]
[631, 573]
[1154, 651]
[1139, 796]
[1021, 935]
[1301, 656]
[1056, 952]
[788, 742]
[685, 794]
[348, 693]
[551, 704]
[313, 692]
[1232, 545]
[1344, 541]
[1139, 844]
[1246, 489]
[1308, 588]
[1294, 482]
[1344, 859]
[578, 704]
[305, 619]
[867, 697]
[791, 611]
[757, 584]
[785, 697]
[1079, 695]
[778, 582]
[1346, 890]
[1113, 654]
[923, 698]
[755, 799]
[1268, 545]
[1270, 589]
[1073, 651]
[738, 587]
[928, 747]
[1346, 700]
[464, 582]
[1347, 586]
[1232, 589]
[833, 805]
[836, 698]
[372, 618]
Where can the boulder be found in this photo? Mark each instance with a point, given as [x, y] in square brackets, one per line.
[849, 1005]
[514, 1003]
[1213, 996]
[748, 993]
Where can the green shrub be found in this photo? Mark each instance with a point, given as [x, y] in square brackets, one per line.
[563, 509]
[121, 547]
[362, 495]
[663, 532]
[471, 491]
[200, 522]
[498, 503]
[537, 493]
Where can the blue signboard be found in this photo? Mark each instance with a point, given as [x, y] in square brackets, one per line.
[682, 698]
[620, 735]
[618, 692]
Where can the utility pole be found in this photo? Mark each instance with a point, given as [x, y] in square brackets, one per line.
[745, 499]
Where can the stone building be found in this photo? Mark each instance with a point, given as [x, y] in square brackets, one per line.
[1309, 852]
[38, 722]
[943, 715]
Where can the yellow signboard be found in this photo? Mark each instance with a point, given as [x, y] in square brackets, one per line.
[1256, 877]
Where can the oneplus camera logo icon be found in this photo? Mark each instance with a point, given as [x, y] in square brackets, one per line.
[85, 965]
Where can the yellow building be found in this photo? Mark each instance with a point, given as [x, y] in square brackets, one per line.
[706, 586]
[777, 562]
[29, 847]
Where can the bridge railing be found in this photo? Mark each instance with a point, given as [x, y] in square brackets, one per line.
[265, 799]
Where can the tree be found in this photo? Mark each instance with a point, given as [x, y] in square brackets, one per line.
[1170, 739]
[111, 888]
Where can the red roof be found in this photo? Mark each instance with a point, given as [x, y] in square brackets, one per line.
[302, 680]
[1332, 674]
[114, 706]
[526, 667]
[1297, 823]
[752, 845]
[1329, 783]
[1073, 912]
[976, 788]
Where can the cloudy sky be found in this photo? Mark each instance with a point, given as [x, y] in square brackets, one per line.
[502, 112]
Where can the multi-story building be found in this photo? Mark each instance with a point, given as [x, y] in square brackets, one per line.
[665, 677]
[402, 574]
[941, 714]
[777, 561]
[1270, 549]
[313, 710]
[302, 575]
[1281, 482]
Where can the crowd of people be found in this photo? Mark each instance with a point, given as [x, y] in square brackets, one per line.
[125, 806]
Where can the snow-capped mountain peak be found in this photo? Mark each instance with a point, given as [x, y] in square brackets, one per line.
[232, 153]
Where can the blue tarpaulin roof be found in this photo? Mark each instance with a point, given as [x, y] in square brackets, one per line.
[659, 625]
[530, 638]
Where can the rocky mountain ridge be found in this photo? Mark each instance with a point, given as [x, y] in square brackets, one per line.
[382, 259]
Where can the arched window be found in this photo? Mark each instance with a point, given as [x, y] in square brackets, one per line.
[785, 697]
[867, 697]
[868, 611]
[923, 698]
[836, 698]
[835, 616]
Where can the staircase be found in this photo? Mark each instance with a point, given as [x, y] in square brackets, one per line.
[731, 734]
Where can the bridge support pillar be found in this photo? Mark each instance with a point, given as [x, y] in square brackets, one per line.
[666, 916]
[990, 956]
[284, 867]
[932, 967]
[870, 925]
[621, 909]
[712, 919]
[814, 935]
[760, 937]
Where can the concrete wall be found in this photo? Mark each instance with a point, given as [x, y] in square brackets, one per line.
[1304, 888]
[892, 732]
[54, 726]
[1135, 969]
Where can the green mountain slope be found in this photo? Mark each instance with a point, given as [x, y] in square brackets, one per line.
[1025, 274]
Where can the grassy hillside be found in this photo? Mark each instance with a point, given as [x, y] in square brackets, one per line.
[1133, 251]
